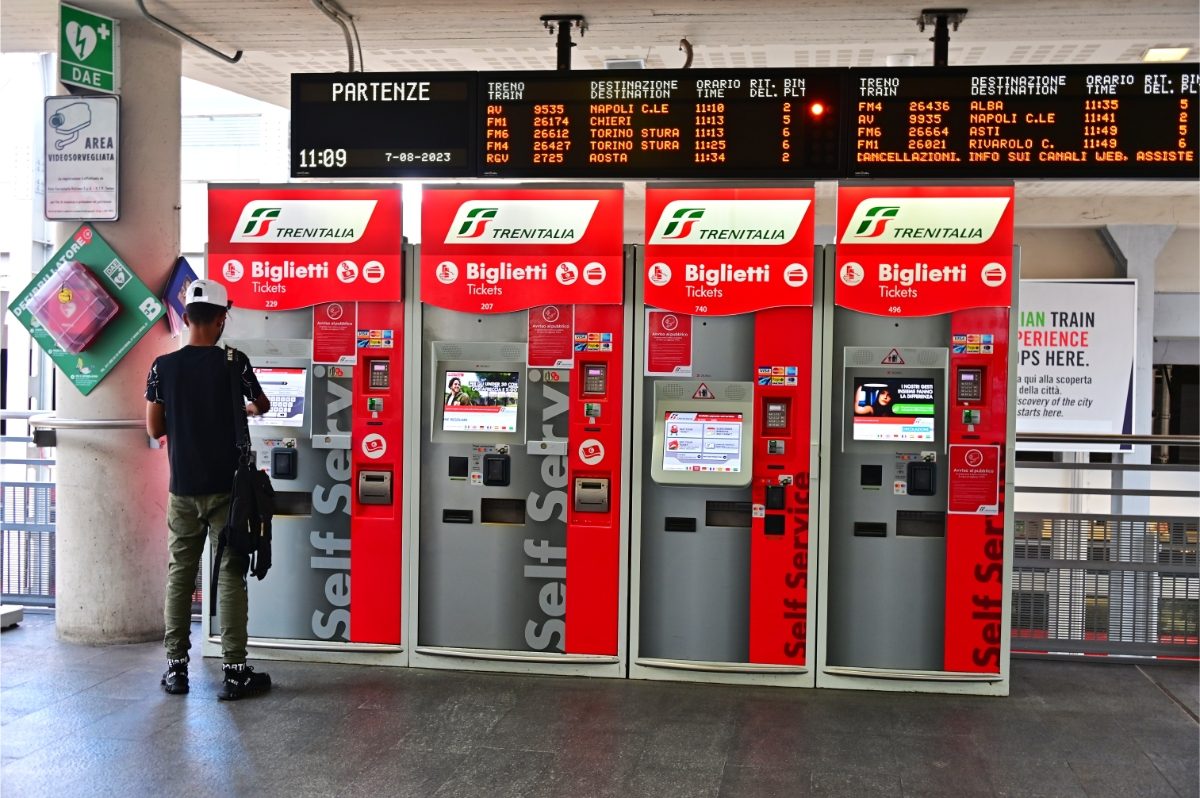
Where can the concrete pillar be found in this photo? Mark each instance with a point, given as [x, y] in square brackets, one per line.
[111, 552]
[1133, 595]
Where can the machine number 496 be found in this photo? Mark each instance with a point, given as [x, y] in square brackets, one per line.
[894, 309]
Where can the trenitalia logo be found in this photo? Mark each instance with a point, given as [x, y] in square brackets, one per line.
[925, 220]
[476, 223]
[681, 222]
[540, 221]
[876, 219]
[760, 222]
[260, 221]
[302, 221]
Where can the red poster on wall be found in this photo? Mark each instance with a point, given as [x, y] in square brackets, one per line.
[551, 337]
[923, 250]
[334, 327]
[720, 251]
[496, 250]
[287, 247]
[668, 344]
[974, 484]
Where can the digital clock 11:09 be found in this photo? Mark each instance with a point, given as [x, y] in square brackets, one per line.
[327, 158]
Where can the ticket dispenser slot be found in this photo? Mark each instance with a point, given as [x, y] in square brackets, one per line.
[374, 487]
[591, 494]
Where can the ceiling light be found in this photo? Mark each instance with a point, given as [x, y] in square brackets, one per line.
[1158, 54]
[624, 63]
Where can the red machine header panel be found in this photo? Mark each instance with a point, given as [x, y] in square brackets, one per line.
[497, 250]
[923, 250]
[288, 247]
[721, 251]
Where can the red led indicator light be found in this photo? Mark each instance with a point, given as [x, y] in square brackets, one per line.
[816, 109]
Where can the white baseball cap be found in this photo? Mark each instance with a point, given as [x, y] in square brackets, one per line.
[208, 292]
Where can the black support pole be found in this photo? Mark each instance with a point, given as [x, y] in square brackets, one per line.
[563, 43]
[942, 19]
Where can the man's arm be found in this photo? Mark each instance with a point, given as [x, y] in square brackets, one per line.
[156, 420]
[259, 406]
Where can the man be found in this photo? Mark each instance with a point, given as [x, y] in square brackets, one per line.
[188, 399]
[457, 395]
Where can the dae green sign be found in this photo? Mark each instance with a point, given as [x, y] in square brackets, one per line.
[88, 51]
[74, 307]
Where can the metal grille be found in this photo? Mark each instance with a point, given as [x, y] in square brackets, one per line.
[1085, 584]
[27, 518]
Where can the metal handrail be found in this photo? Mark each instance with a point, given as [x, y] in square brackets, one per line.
[19, 414]
[1089, 437]
[51, 421]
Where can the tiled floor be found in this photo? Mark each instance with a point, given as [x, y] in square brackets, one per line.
[93, 721]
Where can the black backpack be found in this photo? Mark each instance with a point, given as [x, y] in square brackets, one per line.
[251, 500]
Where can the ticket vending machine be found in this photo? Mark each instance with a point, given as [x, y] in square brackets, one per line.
[316, 278]
[916, 540]
[724, 439]
[519, 558]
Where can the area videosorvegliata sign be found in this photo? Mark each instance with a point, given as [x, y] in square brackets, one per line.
[497, 250]
[288, 247]
[923, 250]
[721, 251]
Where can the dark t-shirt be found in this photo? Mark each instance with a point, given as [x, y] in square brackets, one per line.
[192, 384]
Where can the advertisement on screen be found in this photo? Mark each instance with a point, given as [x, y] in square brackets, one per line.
[702, 442]
[285, 388]
[889, 409]
[480, 401]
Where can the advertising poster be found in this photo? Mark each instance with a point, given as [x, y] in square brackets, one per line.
[1076, 359]
[288, 247]
[82, 152]
[173, 297]
[489, 250]
[668, 344]
[551, 340]
[722, 251]
[86, 308]
[335, 332]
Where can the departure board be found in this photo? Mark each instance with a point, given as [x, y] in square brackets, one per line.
[383, 124]
[1111, 121]
[777, 123]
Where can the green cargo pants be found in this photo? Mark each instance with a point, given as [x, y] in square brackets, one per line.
[189, 520]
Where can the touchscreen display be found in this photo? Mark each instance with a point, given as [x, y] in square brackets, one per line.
[480, 401]
[285, 388]
[890, 409]
[695, 441]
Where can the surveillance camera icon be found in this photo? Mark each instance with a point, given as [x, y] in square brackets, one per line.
[68, 121]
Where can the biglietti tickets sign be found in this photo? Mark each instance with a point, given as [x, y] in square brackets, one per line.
[720, 251]
[923, 250]
[500, 250]
[287, 247]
